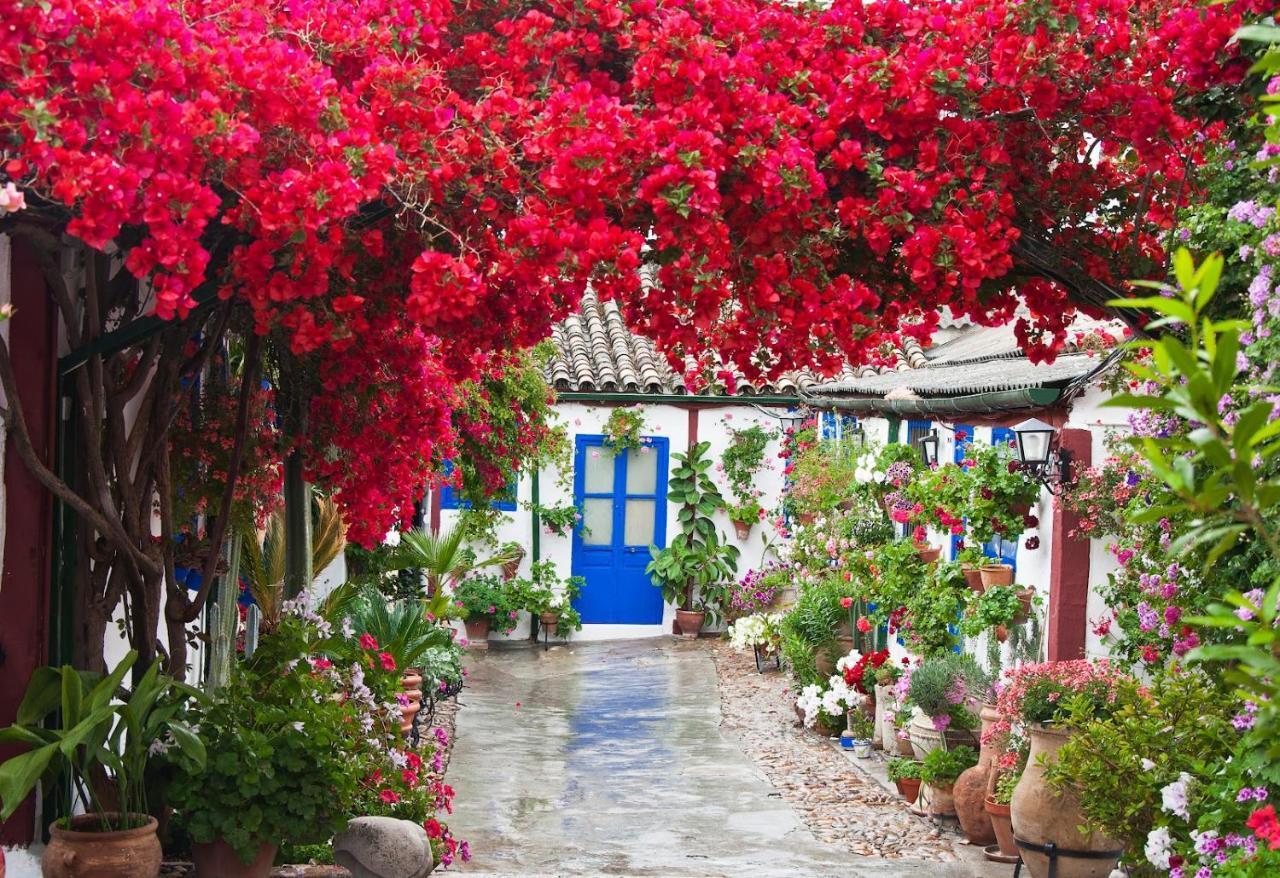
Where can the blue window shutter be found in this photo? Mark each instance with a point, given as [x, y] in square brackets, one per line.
[505, 502]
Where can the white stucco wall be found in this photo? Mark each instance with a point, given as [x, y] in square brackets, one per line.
[715, 424]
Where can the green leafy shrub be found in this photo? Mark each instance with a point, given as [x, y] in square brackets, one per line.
[950, 685]
[902, 768]
[941, 767]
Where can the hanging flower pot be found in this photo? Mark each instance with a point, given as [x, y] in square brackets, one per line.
[1002, 633]
[806, 518]
[973, 577]
[996, 574]
[512, 567]
[1025, 598]
[742, 529]
[928, 554]
[83, 850]
[1042, 816]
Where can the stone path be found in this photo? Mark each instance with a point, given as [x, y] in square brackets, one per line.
[610, 759]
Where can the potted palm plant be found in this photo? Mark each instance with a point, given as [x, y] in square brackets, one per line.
[92, 741]
[693, 571]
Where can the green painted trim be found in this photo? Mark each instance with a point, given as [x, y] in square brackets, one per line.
[678, 399]
[62, 577]
[535, 540]
[895, 430]
[990, 402]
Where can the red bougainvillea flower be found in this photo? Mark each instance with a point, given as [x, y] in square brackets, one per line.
[404, 191]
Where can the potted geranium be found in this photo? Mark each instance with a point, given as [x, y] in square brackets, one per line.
[1048, 699]
[694, 569]
[82, 735]
[491, 604]
[622, 430]
[991, 610]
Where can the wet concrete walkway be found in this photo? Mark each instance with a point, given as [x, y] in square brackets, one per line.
[608, 759]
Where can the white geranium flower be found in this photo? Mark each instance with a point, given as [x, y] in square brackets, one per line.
[1173, 798]
[1159, 848]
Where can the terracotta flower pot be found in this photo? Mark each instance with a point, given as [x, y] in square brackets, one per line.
[971, 789]
[79, 851]
[478, 632]
[742, 529]
[928, 554]
[411, 683]
[937, 800]
[1025, 596]
[824, 661]
[806, 517]
[1000, 823]
[690, 622]
[512, 567]
[846, 505]
[973, 578]
[995, 574]
[908, 788]
[1041, 815]
[549, 622]
[925, 738]
[218, 860]
[1002, 633]
[904, 745]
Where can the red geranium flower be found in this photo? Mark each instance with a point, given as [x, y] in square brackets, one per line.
[367, 641]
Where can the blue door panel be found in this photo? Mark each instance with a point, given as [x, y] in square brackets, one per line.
[616, 590]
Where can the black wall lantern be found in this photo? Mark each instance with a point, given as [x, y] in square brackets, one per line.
[929, 448]
[1041, 455]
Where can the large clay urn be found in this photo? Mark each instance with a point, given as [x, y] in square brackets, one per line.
[80, 850]
[1042, 815]
[971, 789]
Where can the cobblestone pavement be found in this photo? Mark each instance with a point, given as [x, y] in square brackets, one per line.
[615, 759]
[839, 803]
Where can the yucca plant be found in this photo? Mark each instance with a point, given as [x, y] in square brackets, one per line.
[444, 558]
[262, 563]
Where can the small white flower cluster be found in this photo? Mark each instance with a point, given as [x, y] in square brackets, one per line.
[867, 469]
[758, 629]
[835, 698]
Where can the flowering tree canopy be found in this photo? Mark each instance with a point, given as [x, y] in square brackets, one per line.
[400, 191]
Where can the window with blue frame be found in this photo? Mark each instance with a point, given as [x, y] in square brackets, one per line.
[835, 426]
[917, 430]
[505, 501]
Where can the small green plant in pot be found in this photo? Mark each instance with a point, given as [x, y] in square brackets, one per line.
[905, 774]
[92, 739]
[992, 610]
[938, 772]
[694, 571]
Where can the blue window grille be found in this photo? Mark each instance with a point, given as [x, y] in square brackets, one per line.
[917, 430]
[834, 426]
[506, 501]
[961, 448]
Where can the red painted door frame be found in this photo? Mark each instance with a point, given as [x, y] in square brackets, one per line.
[28, 541]
[1069, 563]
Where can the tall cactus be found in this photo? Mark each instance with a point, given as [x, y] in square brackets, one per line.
[224, 617]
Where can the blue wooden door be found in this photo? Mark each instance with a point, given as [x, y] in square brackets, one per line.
[623, 500]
